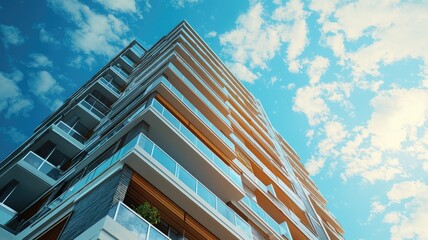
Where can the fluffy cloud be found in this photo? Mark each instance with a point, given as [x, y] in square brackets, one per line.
[11, 35]
[242, 72]
[296, 31]
[394, 33]
[12, 101]
[397, 115]
[39, 60]
[13, 134]
[317, 67]
[44, 35]
[308, 100]
[211, 34]
[410, 222]
[183, 3]
[314, 166]
[95, 33]
[46, 87]
[257, 39]
[119, 5]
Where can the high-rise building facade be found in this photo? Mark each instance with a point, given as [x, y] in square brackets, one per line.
[170, 126]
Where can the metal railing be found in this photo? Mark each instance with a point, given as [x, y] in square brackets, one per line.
[94, 105]
[70, 131]
[108, 85]
[42, 165]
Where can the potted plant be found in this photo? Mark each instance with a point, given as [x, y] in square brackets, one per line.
[148, 212]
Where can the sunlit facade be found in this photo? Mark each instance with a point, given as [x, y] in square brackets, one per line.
[170, 126]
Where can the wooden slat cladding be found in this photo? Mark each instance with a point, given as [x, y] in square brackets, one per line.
[54, 232]
[193, 129]
[140, 190]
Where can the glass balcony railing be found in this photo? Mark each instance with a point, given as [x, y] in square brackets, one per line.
[127, 60]
[6, 213]
[192, 107]
[70, 131]
[173, 167]
[95, 106]
[134, 223]
[210, 155]
[197, 92]
[42, 165]
[108, 85]
[137, 50]
[145, 144]
[120, 72]
[281, 229]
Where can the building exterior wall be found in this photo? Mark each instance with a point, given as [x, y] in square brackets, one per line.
[177, 119]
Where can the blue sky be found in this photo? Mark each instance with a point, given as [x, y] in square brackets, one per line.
[345, 83]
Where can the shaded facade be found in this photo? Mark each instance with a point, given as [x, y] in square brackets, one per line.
[170, 126]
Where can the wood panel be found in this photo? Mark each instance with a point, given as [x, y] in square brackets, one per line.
[140, 191]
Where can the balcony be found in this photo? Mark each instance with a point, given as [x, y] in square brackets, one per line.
[70, 133]
[42, 165]
[111, 90]
[6, 213]
[134, 223]
[279, 229]
[119, 71]
[35, 176]
[135, 52]
[94, 107]
[167, 175]
[151, 162]
[123, 223]
[199, 115]
[193, 154]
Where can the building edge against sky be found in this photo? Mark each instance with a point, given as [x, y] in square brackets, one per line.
[170, 126]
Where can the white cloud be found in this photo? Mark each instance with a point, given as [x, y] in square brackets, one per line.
[211, 34]
[12, 101]
[183, 3]
[392, 217]
[334, 134]
[46, 87]
[11, 35]
[129, 6]
[410, 221]
[44, 84]
[257, 39]
[314, 166]
[294, 14]
[44, 35]
[13, 134]
[394, 34]
[273, 80]
[39, 60]
[95, 33]
[376, 209]
[309, 101]
[242, 72]
[317, 67]
[397, 115]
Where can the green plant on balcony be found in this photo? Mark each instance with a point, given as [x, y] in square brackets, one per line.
[148, 212]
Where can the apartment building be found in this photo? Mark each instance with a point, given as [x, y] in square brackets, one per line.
[170, 126]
